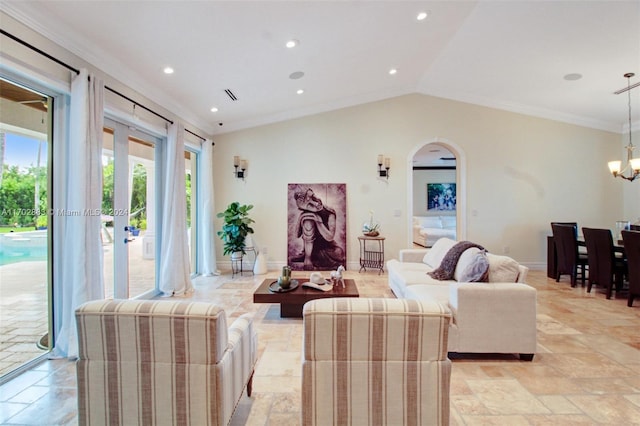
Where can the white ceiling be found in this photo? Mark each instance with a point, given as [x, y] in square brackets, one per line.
[505, 54]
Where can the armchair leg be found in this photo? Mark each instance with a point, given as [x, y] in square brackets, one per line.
[250, 384]
[526, 357]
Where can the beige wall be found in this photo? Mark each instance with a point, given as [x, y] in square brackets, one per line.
[521, 172]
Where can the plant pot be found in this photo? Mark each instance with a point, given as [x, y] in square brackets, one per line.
[236, 255]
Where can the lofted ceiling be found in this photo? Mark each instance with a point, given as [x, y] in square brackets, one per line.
[514, 55]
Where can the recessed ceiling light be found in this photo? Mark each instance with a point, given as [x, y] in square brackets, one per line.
[393, 71]
[214, 109]
[296, 75]
[422, 16]
[573, 76]
[300, 91]
[168, 70]
[292, 43]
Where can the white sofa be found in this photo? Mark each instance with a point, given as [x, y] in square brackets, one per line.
[498, 316]
[429, 229]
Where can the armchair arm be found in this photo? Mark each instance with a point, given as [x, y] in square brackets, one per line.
[235, 369]
[412, 255]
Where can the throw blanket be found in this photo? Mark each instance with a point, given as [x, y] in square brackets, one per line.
[448, 265]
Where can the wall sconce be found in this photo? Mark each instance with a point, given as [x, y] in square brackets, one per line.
[384, 172]
[239, 164]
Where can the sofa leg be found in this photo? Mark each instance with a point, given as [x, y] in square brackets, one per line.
[526, 357]
[250, 384]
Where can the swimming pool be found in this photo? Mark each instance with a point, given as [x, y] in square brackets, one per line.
[23, 246]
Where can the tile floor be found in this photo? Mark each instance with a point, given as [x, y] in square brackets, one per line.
[586, 371]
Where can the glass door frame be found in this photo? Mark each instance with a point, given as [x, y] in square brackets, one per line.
[194, 260]
[121, 134]
[57, 119]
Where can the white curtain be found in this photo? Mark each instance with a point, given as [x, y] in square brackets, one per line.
[174, 250]
[208, 213]
[81, 262]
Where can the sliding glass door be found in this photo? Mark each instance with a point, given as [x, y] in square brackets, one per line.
[25, 231]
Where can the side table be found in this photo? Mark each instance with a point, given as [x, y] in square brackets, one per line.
[371, 253]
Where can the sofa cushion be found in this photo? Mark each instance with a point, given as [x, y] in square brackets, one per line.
[429, 222]
[502, 269]
[434, 293]
[436, 253]
[449, 222]
[477, 270]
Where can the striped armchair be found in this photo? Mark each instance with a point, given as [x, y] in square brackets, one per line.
[145, 362]
[375, 361]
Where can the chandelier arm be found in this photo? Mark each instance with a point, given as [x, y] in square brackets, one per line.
[629, 101]
[631, 170]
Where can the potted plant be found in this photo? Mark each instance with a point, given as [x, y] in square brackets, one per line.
[236, 228]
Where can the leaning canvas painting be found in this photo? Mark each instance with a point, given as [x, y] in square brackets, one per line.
[317, 226]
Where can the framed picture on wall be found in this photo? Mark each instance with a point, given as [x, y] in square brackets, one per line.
[441, 196]
[317, 226]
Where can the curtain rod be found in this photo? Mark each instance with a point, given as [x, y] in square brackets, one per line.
[77, 71]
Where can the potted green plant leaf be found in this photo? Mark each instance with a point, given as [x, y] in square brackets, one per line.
[236, 228]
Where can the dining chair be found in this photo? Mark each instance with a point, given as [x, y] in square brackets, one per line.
[631, 241]
[604, 266]
[565, 237]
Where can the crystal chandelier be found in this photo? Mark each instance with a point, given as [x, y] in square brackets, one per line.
[632, 170]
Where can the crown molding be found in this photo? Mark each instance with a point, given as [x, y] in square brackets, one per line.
[528, 110]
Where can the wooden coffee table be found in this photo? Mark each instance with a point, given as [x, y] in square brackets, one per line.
[291, 303]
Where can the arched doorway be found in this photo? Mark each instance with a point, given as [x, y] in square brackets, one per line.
[440, 161]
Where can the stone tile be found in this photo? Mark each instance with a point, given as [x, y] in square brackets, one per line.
[495, 420]
[10, 409]
[279, 364]
[30, 394]
[558, 404]
[284, 419]
[587, 365]
[560, 420]
[506, 397]
[468, 404]
[610, 409]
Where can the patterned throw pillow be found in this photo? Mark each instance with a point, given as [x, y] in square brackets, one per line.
[477, 270]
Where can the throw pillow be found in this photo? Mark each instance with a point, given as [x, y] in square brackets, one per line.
[436, 253]
[502, 269]
[448, 265]
[477, 271]
[466, 259]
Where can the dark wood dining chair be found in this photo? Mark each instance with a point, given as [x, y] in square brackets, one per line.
[631, 241]
[570, 260]
[604, 266]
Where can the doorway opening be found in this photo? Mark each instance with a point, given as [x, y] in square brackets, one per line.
[436, 193]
